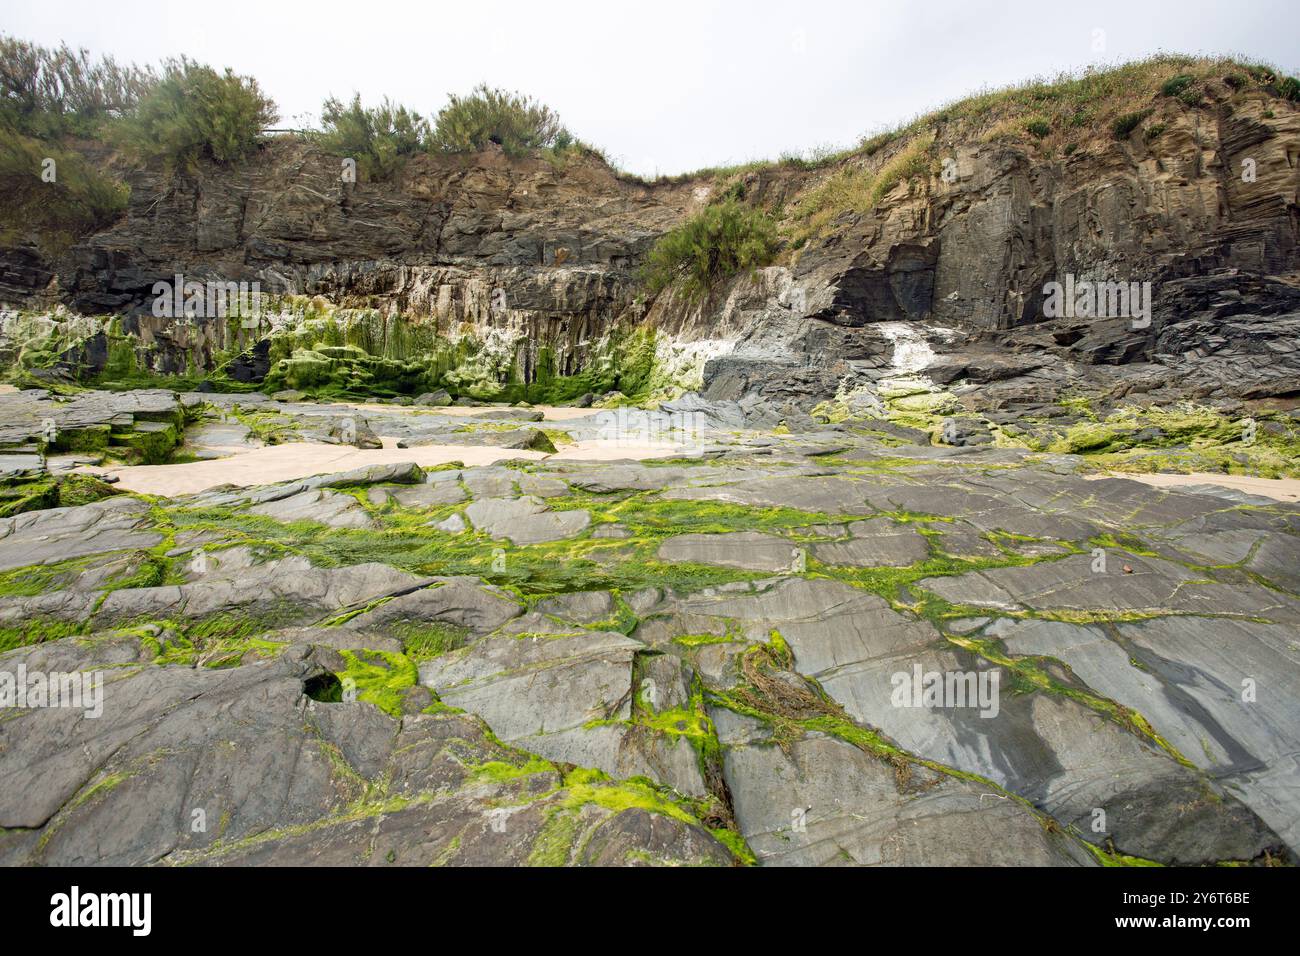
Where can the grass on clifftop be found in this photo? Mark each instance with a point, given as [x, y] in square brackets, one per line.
[1055, 116]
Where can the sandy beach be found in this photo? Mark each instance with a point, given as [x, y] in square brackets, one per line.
[1279, 489]
[272, 463]
[550, 413]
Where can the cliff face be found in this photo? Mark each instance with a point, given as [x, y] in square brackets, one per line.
[289, 219]
[974, 254]
[553, 242]
[946, 275]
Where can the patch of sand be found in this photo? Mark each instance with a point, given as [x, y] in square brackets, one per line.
[272, 463]
[1279, 489]
[601, 449]
[550, 413]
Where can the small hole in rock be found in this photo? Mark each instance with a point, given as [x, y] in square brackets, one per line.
[325, 688]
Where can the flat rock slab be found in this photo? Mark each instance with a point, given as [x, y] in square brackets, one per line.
[986, 512]
[875, 543]
[826, 802]
[826, 623]
[1233, 704]
[491, 481]
[508, 415]
[213, 439]
[1064, 757]
[625, 477]
[286, 591]
[23, 415]
[57, 534]
[245, 747]
[332, 508]
[19, 465]
[1149, 586]
[1278, 559]
[518, 438]
[405, 472]
[490, 827]
[583, 607]
[525, 520]
[540, 486]
[749, 550]
[459, 601]
[567, 697]
[832, 495]
[425, 495]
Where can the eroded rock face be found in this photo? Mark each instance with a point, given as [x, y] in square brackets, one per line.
[722, 660]
[947, 277]
[975, 253]
[518, 246]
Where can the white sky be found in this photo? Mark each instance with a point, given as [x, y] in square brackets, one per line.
[667, 86]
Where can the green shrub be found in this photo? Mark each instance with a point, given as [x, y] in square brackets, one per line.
[379, 138]
[1287, 87]
[78, 201]
[1153, 131]
[1177, 85]
[1126, 124]
[1038, 128]
[195, 113]
[715, 244]
[514, 122]
[51, 93]
[567, 147]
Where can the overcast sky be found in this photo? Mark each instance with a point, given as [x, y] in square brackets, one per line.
[665, 86]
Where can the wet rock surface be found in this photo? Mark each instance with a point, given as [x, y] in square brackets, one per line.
[786, 650]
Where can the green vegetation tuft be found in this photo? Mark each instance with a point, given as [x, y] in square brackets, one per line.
[380, 678]
[857, 187]
[54, 93]
[379, 138]
[1123, 126]
[515, 122]
[78, 200]
[196, 113]
[719, 242]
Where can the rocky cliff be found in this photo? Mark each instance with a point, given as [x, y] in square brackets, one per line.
[971, 253]
[501, 277]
